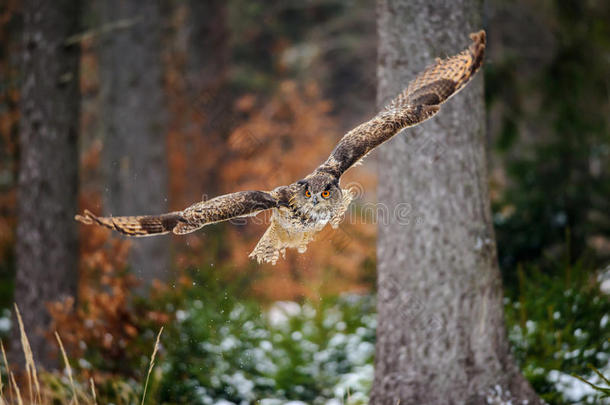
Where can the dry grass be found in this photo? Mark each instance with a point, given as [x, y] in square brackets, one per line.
[152, 365]
[93, 396]
[8, 371]
[68, 368]
[16, 388]
[30, 366]
[1, 385]
[11, 392]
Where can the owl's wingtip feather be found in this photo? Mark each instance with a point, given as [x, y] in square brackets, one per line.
[87, 218]
[479, 41]
[479, 37]
[477, 51]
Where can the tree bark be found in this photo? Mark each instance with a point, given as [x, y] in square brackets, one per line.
[441, 337]
[47, 245]
[134, 124]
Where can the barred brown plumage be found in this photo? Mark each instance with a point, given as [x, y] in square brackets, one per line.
[147, 225]
[301, 209]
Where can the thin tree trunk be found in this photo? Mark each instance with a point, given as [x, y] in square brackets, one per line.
[200, 99]
[441, 337]
[47, 197]
[208, 52]
[134, 124]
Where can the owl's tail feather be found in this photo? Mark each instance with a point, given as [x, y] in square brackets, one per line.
[147, 225]
[268, 249]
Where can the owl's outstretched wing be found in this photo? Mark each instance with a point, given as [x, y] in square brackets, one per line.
[418, 102]
[223, 208]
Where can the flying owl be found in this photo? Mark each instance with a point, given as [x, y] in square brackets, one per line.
[300, 210]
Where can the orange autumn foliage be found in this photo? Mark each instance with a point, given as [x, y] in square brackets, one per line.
[280, 142]
[104, 318]
[277, 141]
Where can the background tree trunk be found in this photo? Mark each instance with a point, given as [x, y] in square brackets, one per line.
[47, 198]
[134, 125]
[441, 337]
[199, 99]
[208, 38]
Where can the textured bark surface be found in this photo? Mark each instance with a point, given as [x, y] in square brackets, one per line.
[47, 196]
[134, 125]
[441, 337]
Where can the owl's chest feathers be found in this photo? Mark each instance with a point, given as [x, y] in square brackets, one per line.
[294, 219]
[294, 226]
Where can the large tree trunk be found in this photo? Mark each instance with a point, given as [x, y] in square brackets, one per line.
[134, 124]
[47, 196]
[441, 337]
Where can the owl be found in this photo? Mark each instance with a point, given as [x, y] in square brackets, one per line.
[302, 209]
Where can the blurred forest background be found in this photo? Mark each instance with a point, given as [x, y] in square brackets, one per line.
[182, 100]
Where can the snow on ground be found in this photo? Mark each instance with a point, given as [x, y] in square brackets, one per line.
[282, 311]
[574, 389]
[5, 321]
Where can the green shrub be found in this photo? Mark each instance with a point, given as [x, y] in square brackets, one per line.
[557, 326]
[227, 349]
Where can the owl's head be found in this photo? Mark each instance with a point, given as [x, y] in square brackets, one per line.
[318, 194]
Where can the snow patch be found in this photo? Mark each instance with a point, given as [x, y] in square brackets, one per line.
[571, 387]
[282, 311]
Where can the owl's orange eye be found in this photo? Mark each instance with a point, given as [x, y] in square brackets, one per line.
[307, 193]
[326, 194]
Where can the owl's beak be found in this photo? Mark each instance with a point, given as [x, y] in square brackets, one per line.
[315, 199]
